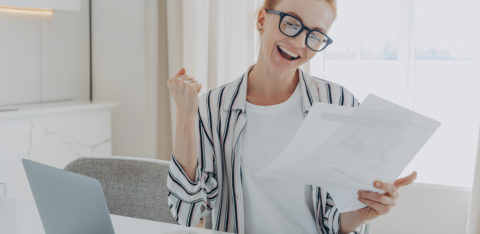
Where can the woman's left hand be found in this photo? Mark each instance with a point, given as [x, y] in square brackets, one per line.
[381, 203]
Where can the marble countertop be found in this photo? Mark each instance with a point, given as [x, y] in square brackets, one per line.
[23, 110]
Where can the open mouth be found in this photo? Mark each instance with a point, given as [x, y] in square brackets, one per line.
[286, 54]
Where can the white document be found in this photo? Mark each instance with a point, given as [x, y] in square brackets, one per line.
[344, 149]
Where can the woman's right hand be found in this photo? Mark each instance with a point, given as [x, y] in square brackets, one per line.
[184, 90]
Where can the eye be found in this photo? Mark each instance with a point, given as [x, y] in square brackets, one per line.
[317, 37]
[292, 25]
[313, 37]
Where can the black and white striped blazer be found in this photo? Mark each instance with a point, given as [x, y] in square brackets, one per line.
[218, 182]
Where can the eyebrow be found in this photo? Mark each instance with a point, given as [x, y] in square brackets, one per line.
[300, 18]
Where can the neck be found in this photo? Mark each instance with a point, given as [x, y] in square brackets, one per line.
[268, 86]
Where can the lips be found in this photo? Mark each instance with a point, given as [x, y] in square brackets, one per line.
[287, 54]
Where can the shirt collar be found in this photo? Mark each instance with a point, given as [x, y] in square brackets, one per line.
[236, 97]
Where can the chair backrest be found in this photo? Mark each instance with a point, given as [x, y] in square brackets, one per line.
[474, 208]
[132, 187]
[208, 221]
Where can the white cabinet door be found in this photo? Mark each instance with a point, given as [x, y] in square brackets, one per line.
[70, 5]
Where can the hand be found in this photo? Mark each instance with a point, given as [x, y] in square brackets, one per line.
[184, 90]
[378, 203]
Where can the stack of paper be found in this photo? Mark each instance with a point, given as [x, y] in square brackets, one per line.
[344, 149]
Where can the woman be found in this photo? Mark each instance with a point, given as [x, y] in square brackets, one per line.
[224, 137]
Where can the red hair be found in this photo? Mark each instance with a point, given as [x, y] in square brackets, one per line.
[271, 4]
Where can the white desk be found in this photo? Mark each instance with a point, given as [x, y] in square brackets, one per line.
[27, 219]
[127, 225]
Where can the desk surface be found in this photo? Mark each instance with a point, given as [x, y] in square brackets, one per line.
[27, 219]
[124, 225]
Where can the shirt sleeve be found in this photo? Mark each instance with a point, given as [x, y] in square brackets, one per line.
[188, 200]
[346, 98]
[328, 216]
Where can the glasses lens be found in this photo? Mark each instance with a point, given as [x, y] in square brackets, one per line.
[316, 41]
[290, 26]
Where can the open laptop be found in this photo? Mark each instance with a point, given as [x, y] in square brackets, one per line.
[68, 202]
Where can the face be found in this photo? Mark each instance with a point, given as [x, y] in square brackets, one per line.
[314, 14]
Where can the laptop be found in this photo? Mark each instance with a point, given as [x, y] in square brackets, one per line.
[68, 202]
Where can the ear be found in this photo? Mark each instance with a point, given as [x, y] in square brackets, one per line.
[261, 18]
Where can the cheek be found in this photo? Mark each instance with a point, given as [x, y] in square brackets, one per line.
[309, 55]
[268, 41]
[270, 27]
[271, 35]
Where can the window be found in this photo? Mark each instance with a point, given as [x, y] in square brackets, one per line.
[421, 54]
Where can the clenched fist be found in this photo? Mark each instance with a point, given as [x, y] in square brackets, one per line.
[184, 90]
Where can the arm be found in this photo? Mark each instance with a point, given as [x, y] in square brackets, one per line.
[192, 187]
[350, 221]
[330, 220]
[184, 145]
[184, 90]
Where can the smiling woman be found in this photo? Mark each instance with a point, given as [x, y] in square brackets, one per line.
[231, 132]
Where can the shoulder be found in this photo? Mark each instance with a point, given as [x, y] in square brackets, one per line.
[213, 101]
[217, 95]
[333, 93]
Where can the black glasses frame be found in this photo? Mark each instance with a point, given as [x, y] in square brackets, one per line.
[303, 27]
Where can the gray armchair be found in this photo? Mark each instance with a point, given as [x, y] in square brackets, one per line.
[133, 187]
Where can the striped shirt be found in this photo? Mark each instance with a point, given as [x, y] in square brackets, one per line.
[217, 188]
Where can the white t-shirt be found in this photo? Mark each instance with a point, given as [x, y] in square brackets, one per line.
[272, 205]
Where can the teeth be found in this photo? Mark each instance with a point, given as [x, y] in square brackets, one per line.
[288, 52]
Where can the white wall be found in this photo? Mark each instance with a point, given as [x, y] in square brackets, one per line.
[44, 58]
[424, 208]
[125, 70]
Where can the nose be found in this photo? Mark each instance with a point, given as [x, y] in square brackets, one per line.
[299, 41]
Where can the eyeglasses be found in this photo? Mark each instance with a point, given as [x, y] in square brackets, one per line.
[292, 26]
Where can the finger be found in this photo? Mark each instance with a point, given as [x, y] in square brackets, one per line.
[183, 77]
[189, 81]
[199, 87]
[378, 197]
[380, 208]
[405, 180]
[390, 189]
[187, 78]
[196, 85]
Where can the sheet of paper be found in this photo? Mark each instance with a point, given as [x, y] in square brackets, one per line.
[310, 128]
[344, 150]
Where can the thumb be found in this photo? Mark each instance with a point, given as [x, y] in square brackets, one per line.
[199, 87]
